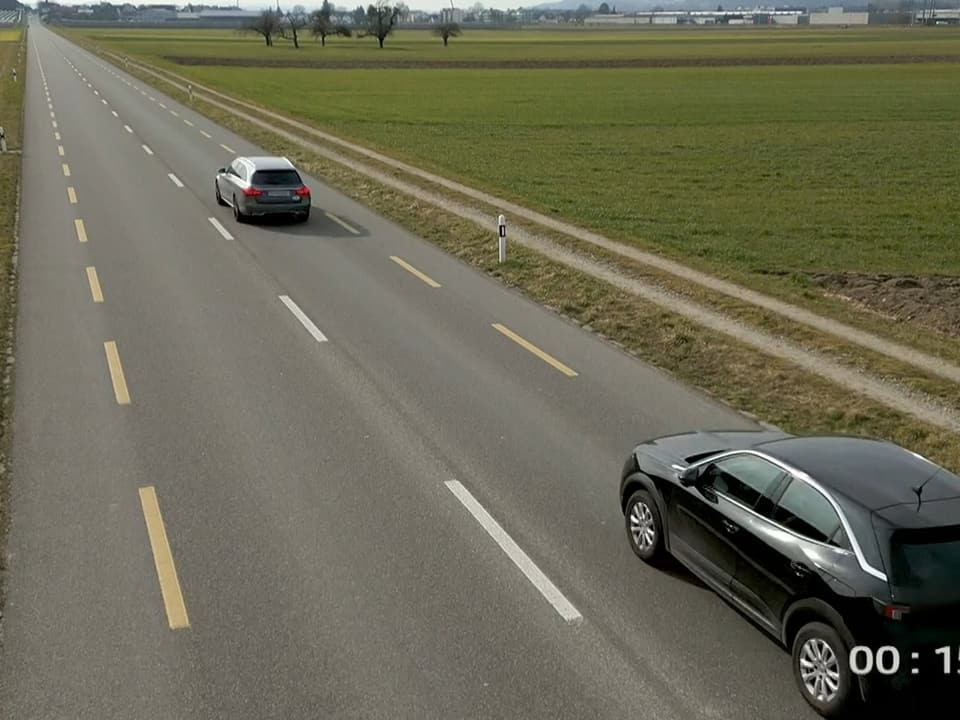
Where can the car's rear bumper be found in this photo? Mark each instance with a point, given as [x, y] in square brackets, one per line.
[254, 208]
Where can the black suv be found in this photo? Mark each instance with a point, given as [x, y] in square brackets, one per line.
[846, 550]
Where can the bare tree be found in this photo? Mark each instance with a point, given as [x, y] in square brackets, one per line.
[267, 24]
[322, 24]
[381, 19]
[447, 31]
[295, 21]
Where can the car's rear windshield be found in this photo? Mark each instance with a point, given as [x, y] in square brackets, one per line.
[276, 177]
[926, 558]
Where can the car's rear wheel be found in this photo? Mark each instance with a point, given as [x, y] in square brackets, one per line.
[644, 527]
[237, 215]
[220, 200]
[821, 667]
[303, 216]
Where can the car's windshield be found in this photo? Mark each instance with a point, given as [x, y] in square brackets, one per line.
[276, 177]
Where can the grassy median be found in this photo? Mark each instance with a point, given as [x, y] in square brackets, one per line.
[12, 55]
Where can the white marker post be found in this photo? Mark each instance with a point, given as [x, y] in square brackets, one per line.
[3, 140]
[502, 232]
[190, 92]
[14, 70]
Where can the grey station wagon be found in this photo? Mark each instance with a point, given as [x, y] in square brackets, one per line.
[257, 186]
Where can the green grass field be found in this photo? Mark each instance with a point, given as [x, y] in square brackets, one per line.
[757, 169]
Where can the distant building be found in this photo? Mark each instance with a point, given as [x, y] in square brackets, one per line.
[451, 15]
[837, 16]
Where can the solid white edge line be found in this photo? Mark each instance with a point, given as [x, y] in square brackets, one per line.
[304, 320]
[175, 180]
[541, 582]
[220, 229]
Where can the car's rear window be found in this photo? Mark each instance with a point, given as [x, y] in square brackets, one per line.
[276, 177]
[927, 558]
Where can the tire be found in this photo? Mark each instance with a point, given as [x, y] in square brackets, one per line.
[304, 216]
[220, 200]
[237, 215]
[645, 528]
[820, 653]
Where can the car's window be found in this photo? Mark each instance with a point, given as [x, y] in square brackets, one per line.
[805, 510]
[841, 540]
[746, 478]
[276, 177]
[235, 168]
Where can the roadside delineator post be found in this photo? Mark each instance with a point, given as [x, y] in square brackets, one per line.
[3, 140]
[14, 71]
[502, 232]
[190, 91]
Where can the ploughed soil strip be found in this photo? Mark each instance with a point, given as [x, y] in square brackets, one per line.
[933, 301]
[558, 64]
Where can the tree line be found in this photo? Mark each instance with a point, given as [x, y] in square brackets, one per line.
[378, 20]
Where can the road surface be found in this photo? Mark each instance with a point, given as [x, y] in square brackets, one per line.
[324, 470]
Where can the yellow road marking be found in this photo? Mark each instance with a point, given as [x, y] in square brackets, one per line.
[60, 151]
[116, 373]
[66, 170]
[81, 230]
[549, 359]
[342, 224]
[72, 195]
[413, 271]
[163, 559]
[94, 284]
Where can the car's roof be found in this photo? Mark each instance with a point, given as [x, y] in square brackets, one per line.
[872, 473]
[265, 162]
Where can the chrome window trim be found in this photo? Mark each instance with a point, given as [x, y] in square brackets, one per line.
[803, 477]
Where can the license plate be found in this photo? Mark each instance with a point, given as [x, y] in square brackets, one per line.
[279, 193]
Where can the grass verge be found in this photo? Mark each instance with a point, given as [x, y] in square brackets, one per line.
[746, 379]
[12, 55]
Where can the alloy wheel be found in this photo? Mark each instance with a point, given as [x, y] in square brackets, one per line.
[820, 670]
[642, 529]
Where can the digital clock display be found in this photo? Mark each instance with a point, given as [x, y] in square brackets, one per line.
[886, 660]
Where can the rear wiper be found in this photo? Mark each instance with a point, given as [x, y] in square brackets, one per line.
[918, 490]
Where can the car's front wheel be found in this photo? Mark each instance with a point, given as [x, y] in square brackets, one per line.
[821, 667]
[644, 527]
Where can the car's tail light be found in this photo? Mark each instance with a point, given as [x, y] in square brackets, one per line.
[303, 191]
[252, 192]
[895, 612]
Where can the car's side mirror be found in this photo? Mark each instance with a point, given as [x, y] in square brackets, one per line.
[221, 171]
[691, 475]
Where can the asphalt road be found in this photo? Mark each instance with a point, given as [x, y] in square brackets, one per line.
[230, 514]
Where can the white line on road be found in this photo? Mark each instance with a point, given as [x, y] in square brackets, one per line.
[56, 136]
[54, 123]
[174, 179]
[540, 581]
[147, 150]
[227, 148]
[345, 225]
[114, 113]
[175, 113]
[103, 101]
[220, 229]
[152, 99]
[162, 105]
[206, 134]
[304, 320]
[96, 92]
[128, 129]
[187, 122]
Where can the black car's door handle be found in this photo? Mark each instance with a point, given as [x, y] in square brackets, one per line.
[730, 527]
[799, 569]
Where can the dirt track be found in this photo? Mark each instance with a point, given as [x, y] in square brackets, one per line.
[561, 64]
